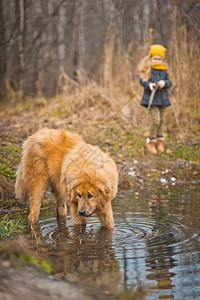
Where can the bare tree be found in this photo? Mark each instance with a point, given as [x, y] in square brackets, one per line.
[38, 37]
[2, 45]
[21, 47]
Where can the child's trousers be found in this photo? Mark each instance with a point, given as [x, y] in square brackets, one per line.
[157, 121]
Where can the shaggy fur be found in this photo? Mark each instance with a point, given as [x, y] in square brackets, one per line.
[76, 171]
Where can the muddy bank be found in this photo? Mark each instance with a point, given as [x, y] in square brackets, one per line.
[151, 172]
[29, 282]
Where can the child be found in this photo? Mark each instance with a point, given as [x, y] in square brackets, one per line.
[153, 75]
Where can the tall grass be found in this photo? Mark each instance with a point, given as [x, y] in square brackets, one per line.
[184, 61]
[117, 93]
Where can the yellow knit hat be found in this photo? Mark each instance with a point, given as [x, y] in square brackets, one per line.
[157, 49]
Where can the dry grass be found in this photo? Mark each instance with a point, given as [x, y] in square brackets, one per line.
[184, 61]
[117, 93]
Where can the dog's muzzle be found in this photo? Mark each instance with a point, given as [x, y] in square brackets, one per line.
[83, 213]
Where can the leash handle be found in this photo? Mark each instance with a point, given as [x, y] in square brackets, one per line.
[152, 95]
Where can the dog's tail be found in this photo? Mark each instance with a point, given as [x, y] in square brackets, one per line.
[20, 189]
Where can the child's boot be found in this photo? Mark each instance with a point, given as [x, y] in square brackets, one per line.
[160, 144]
[151, 146]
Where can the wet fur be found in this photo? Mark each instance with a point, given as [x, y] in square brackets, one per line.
[77, 172]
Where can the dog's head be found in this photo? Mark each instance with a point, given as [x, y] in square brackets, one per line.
[89, 198]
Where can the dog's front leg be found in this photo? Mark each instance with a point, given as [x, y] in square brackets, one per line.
[106, 216]
[61, 206]
[61, 211]
[78, 220]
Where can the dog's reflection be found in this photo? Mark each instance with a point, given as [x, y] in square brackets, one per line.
[81, 253]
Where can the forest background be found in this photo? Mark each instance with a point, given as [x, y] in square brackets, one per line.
[80, 58]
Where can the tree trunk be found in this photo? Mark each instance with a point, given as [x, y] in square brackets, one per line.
[21, 47]
[2, 47]
[82, 57]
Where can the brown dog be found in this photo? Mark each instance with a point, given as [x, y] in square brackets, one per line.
[76, 171]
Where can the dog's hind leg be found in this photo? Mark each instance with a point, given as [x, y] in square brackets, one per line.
[35, 198]
[36, 179]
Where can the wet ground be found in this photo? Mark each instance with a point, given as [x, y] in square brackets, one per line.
[155, 244]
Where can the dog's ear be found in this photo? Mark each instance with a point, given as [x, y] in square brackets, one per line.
[71, 195]
[105, 194]
[70, 187]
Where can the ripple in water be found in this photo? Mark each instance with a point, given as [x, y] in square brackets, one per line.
[135, 230]
[152, 247]
[157, 233]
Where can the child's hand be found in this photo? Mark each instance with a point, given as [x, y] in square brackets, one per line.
[161, 83]
[152, 85]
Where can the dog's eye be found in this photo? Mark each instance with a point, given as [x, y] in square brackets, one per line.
[79, 195]
[90, 196]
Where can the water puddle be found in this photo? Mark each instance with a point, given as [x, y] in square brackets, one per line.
[155, 244]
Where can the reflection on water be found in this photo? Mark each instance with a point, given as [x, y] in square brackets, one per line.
[155, 243]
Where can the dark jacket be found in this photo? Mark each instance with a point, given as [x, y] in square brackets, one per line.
[161, 97]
